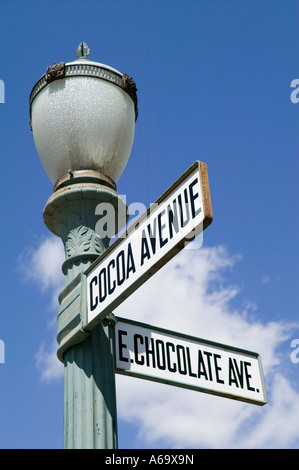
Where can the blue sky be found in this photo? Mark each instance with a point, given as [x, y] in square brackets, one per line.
[213, 81]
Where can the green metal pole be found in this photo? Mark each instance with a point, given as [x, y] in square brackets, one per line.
[90, 420]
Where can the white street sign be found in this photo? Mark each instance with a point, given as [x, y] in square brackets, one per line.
[179, 215]
[164, 356]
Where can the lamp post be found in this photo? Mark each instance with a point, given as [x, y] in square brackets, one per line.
[83, 117]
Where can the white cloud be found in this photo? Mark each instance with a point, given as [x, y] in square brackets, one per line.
[48, 364]
[43, 265]
[192, 295]
[277, 424]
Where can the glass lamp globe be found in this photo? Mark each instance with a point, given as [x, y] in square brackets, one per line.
[83, 117]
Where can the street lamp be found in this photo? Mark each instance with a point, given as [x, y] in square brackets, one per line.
[83, 115]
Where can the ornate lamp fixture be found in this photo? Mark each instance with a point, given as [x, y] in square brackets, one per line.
[83, 117]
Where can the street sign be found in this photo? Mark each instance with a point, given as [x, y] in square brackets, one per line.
[178, 216]
[164, 356]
